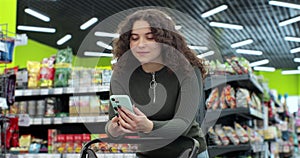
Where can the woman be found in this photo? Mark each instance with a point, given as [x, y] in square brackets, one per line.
[159, 73]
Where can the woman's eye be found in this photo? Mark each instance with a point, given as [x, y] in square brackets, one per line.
[134, 38]
[150, 36]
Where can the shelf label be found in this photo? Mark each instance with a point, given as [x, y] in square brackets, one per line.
[28, 92]
[37, 121]
[18, 92]
[35, 92]
[46, 121]
[70, 120]
[58, 120]
[58, 91]
[44, 91]
[70, 90]
[24, 120]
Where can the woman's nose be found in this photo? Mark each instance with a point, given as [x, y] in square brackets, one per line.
[142, 42]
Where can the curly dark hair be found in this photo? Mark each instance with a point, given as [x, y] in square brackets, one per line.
[163, 30]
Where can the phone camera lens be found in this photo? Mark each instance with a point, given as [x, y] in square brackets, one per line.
[112, 99]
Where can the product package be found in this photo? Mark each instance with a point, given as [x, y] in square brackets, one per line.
[33, 68]
[213, 100]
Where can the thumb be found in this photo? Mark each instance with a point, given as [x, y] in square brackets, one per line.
[137, 111]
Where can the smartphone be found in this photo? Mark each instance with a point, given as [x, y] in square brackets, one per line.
[122, 100]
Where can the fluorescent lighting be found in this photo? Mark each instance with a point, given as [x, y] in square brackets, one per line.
[214, 11]
[249, 52]
[284, 4]
[203, 55]
[295, 50]
[37, 14]
[106, 34]
[298, 67]
[260, 62]
[36, 29]
[290, 72]
[64, 39]
[241, 43]
[97, 54]
[88, 23]
[104, 45]
[177, 27]
[293, 39]
[198, 47]
[289, 21]
[262, 68]
[226, 25]
[297, 60]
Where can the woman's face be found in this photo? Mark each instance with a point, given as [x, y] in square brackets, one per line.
[143, 45]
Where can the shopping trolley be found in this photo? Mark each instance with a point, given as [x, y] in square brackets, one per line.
[189, 152]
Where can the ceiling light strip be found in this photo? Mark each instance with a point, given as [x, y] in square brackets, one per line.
[295, 50]
[37, 14]
[297, 60]
[241, 43]
[36, 29]
[198, 47]
[203, 55]
[214, 11]
[263, 68]
[97, 54]
[289, 21]
[104, 45]
[64, 39]
[226, 25]
[290, 72]
[106, 34]
[249, 52]
[285, 4]
[88, 23]
[293, 39]
[260, 62]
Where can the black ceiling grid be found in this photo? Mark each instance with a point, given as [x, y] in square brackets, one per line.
[259, 19]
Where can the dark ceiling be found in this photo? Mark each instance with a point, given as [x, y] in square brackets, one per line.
[260, 21]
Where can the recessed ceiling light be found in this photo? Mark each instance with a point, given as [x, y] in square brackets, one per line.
[37, 14]
[97, 54]
[88, 23]
[249, 52]
[285, 4]
[203, 55]
[226, 25]
[64, 39]
[106, 34]
[297, 60]
[198, 47]
[262, 68]
[289, 21]
[214, 11]
[295, 50]
[241, 43]
[260, 62]
[36, 29]
[293, 39]
[104, 45]
[290, 72]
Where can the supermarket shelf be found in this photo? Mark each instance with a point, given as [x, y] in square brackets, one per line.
[258, 147]
[64, 120]
[219, 150]
[212, 115]
[59, 91]
[241, 80]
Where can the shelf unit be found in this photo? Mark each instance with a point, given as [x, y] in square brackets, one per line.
[211, 117]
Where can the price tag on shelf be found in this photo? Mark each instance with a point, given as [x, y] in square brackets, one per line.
[46, 121]
[70, 120]
[35, 92]
[70, 90]
[83, 90]
[58, 120]
[18, 92]
[37, 121]
[58, 90]
[44, 91]
[28, 92]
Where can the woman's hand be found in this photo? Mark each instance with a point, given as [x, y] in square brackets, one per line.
[137, 121]
[115, 129]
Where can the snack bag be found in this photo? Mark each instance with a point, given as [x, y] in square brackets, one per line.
[229, 96]
[242, 97]
[213, 100]
[62, 75]
[33, 68]
[241, 133]
[64, 56]
[256, 103]
[214, 137]
[231, 134]
[222, 135]
[47, 72]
